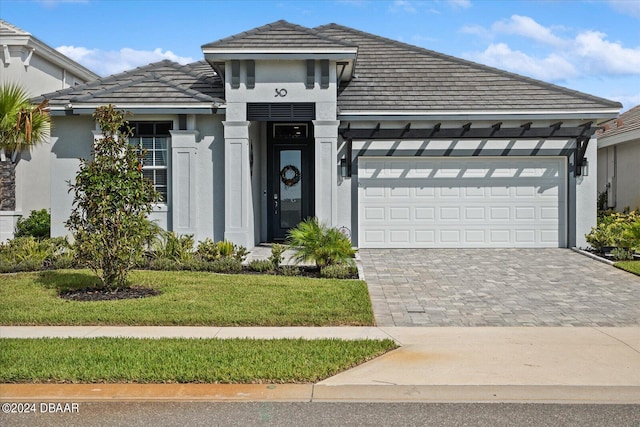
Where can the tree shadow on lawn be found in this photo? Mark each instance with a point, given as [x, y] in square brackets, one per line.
[80, 286]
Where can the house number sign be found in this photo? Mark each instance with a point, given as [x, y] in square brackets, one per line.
[280, 93]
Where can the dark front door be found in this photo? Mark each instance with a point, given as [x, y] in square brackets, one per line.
[290, 189]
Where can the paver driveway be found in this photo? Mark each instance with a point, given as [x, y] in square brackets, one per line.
[498, 287]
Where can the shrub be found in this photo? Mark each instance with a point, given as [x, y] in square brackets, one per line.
[164, 264]
[37, 224]
[599, 237]
[289, 270]
[622, 254]
[276, 258]
[207, 250]
[173, 247]
[30, 254]
[339, 271]
[225, 265]
[261, 265]
[632, 235]
[210, 251]
[320, 244]
[616, 229]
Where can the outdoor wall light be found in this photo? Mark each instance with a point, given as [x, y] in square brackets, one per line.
[343, 167]
[585, 167]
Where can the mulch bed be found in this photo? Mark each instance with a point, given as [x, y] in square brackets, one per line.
[92, 294]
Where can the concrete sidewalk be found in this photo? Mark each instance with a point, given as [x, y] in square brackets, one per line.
[433, 364]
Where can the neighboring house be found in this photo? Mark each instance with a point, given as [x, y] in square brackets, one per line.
[39, 69]
[619, 161]
[398, 145]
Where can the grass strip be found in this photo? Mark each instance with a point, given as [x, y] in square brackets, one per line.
[130, 360]
[630, 266]
[189, 299]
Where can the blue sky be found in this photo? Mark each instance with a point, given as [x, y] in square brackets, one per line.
[592, 46]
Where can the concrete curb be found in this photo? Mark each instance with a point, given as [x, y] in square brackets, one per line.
[317, 393]
[592, 256]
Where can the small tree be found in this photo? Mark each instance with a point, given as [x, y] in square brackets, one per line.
[112, 201]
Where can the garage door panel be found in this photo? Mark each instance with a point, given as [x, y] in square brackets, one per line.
[525, 213]
[399, 192]
[475, 236]
[472, 192]
[449, 214]
[462, 203]
[399, 213]
[423, 214]
[474, 213]
[425, 237]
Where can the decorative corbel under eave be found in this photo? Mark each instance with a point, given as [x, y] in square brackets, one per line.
[7, 55]
[27, 61]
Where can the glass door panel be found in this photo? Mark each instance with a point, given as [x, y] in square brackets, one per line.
[291, 182]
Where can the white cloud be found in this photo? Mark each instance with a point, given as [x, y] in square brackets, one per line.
[477, 30]
[55, 3]
[587, 53]
[459, 4]
[403, 5]
[529, 28]
[499, 55]
[110, 62]
[627, 7]
[604, 56]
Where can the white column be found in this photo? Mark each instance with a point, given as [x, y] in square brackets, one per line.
[587, 196]
[326, 170]
[238, 218]
[183, 199]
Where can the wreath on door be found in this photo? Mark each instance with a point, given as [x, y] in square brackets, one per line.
[290, 175]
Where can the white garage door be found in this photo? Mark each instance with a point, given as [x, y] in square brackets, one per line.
[461, 202]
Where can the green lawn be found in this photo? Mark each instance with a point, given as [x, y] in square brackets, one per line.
[128, 360]
[630, 266]
[187, 298]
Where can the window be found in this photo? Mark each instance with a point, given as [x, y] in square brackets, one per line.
[153, 137]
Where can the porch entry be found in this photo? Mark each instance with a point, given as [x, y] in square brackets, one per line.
[290, 177]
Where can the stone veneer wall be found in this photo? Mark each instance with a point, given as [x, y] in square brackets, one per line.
[7, 186]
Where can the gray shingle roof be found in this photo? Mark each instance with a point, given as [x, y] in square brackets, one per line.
[389, 76]
[627, 122]
[278, 35]
[163, 82]
[394, 76]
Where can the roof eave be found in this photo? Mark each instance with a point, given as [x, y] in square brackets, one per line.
[621, 138]
[286, 54]
[192, 108]
[381, 115]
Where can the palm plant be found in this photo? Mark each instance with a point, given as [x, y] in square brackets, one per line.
[316, 242]
[22, 126]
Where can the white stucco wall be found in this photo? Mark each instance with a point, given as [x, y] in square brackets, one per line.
[40, 76]
[71, 139]
[618, 165]
[202, 175]
[628, 180]
[586, 206]
[210, 178]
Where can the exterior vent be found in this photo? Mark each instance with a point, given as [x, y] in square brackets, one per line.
[272, 112]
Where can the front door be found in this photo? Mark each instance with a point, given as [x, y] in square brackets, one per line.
[290, 189]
